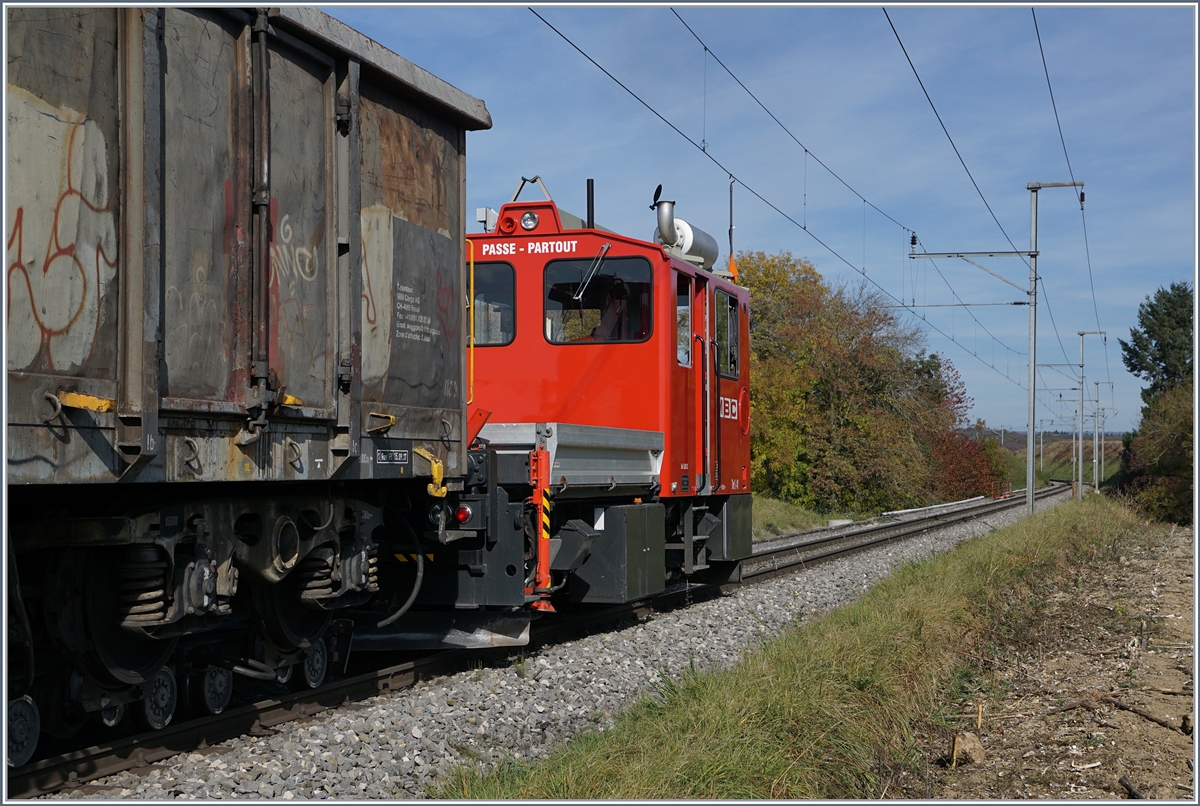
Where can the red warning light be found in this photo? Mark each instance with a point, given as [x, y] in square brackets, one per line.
[462, 514]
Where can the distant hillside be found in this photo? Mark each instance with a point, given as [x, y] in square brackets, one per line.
[1054, 459]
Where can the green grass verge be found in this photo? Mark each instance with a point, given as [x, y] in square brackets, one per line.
[773, 517]
[829, 709]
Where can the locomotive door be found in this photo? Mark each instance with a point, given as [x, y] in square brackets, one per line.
[728, 405]
[702, 366]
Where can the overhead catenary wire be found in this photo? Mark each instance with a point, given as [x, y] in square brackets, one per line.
[957, 297]
[958, 305]
[1078, 196]
[707, 52]
[807, 152]
[704, 113]
[948, 137]
[1063, 140]
[1053, 324]
[762, 198]
[1050, 313]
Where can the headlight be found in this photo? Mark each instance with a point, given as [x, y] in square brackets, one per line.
[529, 220]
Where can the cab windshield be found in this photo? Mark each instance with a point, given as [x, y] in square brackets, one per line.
[612, 306]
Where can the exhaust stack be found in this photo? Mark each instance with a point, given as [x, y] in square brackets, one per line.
[682, 239]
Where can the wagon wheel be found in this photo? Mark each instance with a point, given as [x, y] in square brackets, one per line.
[209, 689]
[286, 621]
[24, 726]
[310, 672]
[157, 706]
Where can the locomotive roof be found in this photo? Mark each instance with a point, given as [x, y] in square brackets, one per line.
[466, 109]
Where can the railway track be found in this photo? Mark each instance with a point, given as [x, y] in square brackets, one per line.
[780, 559]
[781, 556]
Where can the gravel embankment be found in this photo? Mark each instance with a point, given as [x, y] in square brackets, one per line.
[393, 746]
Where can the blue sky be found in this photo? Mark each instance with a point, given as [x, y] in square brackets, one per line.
[1124, 83]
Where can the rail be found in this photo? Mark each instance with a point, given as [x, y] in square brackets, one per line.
[784, 559]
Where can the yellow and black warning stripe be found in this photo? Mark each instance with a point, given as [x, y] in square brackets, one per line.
[404, 558]
[545, 514]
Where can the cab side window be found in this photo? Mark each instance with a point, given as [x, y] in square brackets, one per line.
[495, 304]
[683, 319]
[728, 333]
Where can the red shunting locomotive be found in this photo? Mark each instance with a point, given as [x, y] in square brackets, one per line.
[613, 375]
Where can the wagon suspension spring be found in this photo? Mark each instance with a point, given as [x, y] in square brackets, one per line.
[142, 587]
[373, 569]
[314, 574]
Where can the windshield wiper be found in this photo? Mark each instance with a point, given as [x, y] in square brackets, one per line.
[591, 272]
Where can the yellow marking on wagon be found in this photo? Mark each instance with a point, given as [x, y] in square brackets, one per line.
[77, 400]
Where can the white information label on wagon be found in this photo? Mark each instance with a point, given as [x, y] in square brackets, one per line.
[391, 457]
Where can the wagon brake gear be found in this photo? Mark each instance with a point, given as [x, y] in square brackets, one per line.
[419, 557]
[435, 488]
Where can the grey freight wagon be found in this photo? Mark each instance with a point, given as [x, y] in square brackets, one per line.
[235, 336]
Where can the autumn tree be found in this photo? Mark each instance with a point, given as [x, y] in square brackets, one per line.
[848, 411]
